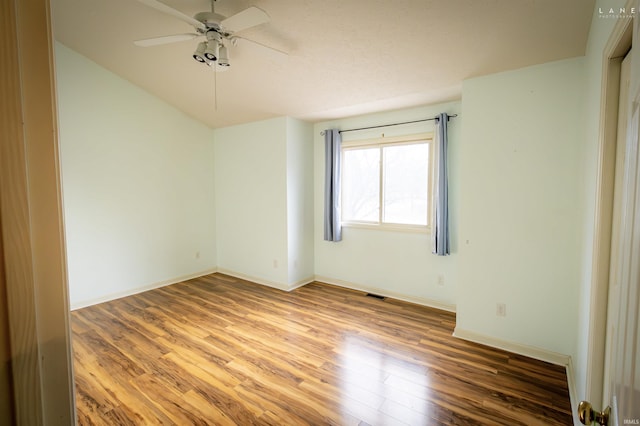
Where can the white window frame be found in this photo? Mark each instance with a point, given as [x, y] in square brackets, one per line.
[381, 143]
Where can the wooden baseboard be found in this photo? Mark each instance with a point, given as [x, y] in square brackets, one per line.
[261, 281]
[268, 283]
[131, 292]
[517, 348]
[301, 283]
[368, 289]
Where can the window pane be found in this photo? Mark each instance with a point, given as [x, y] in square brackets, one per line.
[406, 184]
[361, 185]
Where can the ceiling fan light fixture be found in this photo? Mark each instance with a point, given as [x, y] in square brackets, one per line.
[223, 56]
[210, 52]
[198, 55]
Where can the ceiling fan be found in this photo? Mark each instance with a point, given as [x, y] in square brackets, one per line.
[219, 31]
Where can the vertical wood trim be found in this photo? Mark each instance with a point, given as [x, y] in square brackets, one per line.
[14, 210]
[45, 209]
[6, 386]
[31, 218]
[602, 231]
[617, 45]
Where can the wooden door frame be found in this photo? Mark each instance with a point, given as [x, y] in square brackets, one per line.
[616, 48]
[33, 255]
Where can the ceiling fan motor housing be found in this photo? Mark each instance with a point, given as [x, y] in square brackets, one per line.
[210, 19]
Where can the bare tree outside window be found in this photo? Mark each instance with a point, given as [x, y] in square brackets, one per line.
[387, 183]
[361, 185]
[406, 184]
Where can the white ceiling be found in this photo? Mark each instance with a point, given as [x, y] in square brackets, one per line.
[346, 57]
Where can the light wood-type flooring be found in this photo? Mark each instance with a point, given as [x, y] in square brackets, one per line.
[219, 350]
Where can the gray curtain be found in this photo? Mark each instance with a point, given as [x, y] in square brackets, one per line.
[440, 227]
[332, 159]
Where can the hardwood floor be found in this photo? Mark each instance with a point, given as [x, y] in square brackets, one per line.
[219, 350]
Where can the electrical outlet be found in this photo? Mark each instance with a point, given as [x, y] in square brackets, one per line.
[441, 280]
[197, 255]
[501, 309]
[275, 263]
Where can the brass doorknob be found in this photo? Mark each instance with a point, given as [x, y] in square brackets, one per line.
[587, 416]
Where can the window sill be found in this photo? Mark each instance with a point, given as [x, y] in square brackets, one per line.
[415, 229]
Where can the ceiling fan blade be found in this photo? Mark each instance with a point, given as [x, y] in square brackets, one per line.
[155, 4]
[157, 41]
[276, 53]
[248, 18]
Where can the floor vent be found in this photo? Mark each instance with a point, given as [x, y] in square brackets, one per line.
[375, 296]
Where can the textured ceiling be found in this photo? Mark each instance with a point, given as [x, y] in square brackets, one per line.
[346, 57]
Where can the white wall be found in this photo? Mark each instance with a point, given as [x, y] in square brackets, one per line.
[521, 205]
[251, 200]
[300, 201]
[137, 185]
[398, 264]
[264, 208]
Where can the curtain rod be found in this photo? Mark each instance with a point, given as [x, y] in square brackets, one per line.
[393, 124]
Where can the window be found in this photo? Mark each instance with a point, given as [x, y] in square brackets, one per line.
[387, 182]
